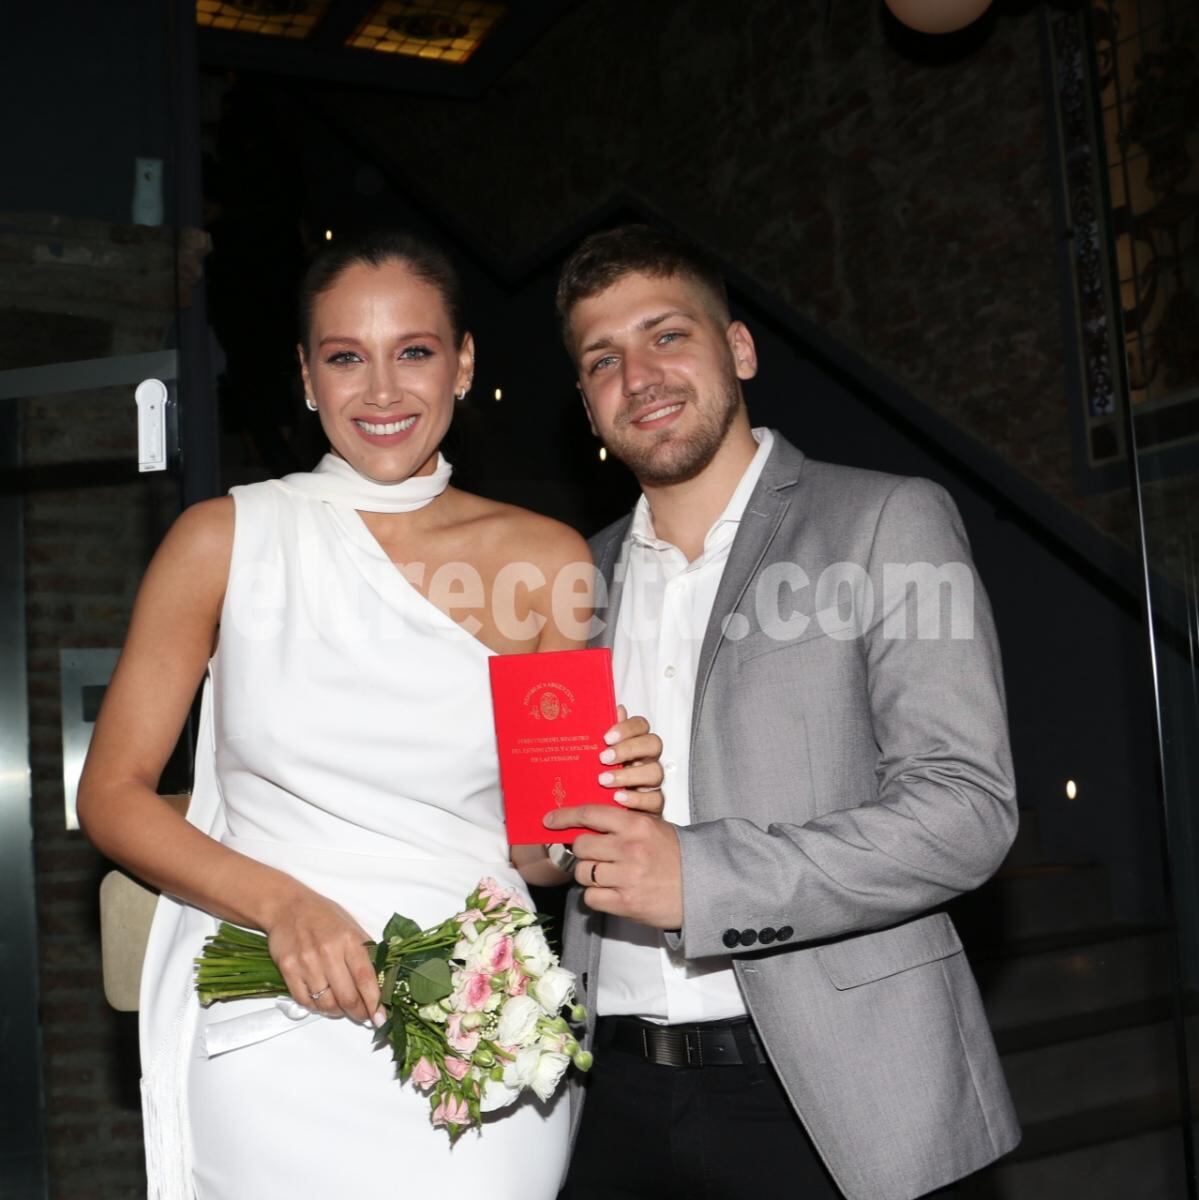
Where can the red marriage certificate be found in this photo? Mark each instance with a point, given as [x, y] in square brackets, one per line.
[551, 713]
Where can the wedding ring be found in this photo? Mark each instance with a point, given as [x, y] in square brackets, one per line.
[593, 880]
[317, 995]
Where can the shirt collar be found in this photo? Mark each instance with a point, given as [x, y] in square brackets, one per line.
[642, 529]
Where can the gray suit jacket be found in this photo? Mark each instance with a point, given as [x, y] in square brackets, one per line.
[846, 780]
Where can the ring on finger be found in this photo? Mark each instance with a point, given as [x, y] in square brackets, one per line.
[594, 883]
[314, 996]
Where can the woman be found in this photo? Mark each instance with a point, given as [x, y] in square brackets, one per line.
[346, 765]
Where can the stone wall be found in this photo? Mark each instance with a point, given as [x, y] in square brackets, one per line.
[903, 204]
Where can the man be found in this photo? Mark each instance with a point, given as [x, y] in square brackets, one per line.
[781, 1012]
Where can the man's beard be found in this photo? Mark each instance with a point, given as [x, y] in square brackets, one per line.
[672, 457]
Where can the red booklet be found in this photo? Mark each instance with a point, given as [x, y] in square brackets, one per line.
[551, 713]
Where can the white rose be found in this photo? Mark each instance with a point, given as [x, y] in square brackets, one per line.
[518, 1021]
[496, 1095]
[520, 1071]
[554, 989]
[533, 950]
[550, 1069]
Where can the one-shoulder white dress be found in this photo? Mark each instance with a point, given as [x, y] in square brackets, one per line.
[346, 739]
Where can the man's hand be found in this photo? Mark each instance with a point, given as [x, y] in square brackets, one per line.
[630, 867]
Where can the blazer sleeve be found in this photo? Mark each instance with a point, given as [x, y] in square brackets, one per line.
[945, 812]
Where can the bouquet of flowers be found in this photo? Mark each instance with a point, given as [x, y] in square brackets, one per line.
[474, 1005]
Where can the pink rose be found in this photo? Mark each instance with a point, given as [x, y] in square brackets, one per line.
[451, 1111]
[464, 1041]
[456, 1067]
[518, 982]
[468, 921]
[425, 1074]
[496, 896]
[501, 954]
[476, 991]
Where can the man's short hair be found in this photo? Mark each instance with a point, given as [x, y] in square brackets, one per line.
[606, 257]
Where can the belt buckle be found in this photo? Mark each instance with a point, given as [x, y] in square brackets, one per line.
[667, 1047]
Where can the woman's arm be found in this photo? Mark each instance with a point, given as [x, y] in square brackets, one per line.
[171, 637]
[633, 751]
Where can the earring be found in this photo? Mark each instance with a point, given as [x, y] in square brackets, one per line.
[460, 394]
[310, 403]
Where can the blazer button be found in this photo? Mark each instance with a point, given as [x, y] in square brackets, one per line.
[766, 935]
[749, 936]
[785, 933]
[731, 938]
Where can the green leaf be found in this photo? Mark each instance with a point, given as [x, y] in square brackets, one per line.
[388, 986]
[413, 958]
[430, 981]
[379, 957]
[400, 927]
[398, 1036]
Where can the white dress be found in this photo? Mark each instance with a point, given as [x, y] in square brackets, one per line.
[346, 739]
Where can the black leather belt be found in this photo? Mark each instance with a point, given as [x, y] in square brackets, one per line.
[716, 1044]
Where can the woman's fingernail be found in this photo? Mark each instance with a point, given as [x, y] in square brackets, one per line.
[611, 737]
[621, 798]
[379, 1019]
[607, 778]
[608, 756]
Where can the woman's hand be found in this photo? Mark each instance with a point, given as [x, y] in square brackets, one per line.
[632, 764]
[318, 948]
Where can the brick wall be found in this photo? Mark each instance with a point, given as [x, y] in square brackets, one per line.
[77, 289]
[905, 207]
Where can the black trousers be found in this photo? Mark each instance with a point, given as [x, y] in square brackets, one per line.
[716, 1133]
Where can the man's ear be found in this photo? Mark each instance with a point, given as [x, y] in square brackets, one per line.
[743, 350]
[587, 409]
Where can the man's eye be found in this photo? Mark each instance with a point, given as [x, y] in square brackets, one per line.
[416, 352]
[601, 363]
[669, 336]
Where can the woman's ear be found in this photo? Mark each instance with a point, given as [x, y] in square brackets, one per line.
[309, 398]
[466, 366]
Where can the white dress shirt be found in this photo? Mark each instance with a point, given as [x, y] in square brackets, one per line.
[665, 605]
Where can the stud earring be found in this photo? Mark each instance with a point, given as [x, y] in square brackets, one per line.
[310, 403]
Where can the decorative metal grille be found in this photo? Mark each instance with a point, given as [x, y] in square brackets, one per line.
[1148, 88]
[1126, 82]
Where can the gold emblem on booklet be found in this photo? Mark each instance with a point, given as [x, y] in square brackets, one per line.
[549, 701]
[558, 791]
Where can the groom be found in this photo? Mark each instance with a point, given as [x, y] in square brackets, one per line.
[782, 1008]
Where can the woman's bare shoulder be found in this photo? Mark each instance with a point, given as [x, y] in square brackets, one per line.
[204, 529]
[196, 552]
[520, 533]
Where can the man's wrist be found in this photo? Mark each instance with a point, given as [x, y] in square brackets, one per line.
[563, 857]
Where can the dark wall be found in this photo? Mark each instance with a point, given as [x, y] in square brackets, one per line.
[86, 90]
[1077, 673]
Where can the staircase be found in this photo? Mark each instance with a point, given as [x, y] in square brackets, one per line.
[1082, 1014]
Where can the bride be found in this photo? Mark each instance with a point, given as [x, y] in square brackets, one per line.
[346, 767]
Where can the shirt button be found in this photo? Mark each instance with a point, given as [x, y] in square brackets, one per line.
[669, 672]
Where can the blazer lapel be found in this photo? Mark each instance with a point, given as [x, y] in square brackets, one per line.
[606, 564]
[768, 505]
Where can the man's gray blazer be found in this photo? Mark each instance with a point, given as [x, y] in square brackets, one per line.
[850, 772]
